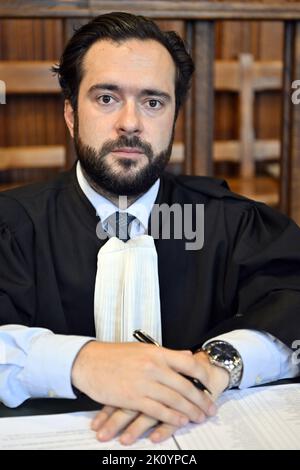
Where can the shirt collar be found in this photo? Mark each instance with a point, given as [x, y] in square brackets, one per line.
[141, 208]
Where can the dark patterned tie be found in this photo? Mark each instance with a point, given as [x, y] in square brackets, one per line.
[120, 223]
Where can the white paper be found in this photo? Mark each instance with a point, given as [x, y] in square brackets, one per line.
[259, 418]
[62, 432]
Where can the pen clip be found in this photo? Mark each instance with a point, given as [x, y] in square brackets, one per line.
[143, 337]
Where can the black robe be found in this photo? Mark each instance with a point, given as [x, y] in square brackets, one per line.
[247, 275]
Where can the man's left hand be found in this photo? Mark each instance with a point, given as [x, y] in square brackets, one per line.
[111, 421]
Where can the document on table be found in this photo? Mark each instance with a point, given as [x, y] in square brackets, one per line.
[61, 432]
[258, 418]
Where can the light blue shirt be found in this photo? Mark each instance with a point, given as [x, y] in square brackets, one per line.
[34, 362]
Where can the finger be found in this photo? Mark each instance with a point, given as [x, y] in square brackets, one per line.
[175, 401]
[137, 428]
[116, 423]
[162, 432]
[160, 412]
[102, 416]
[178, 393]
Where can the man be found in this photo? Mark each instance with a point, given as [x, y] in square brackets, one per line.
[62, 280]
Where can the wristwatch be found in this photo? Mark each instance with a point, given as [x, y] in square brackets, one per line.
[222, 354]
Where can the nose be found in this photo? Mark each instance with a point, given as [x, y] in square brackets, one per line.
[129, 120]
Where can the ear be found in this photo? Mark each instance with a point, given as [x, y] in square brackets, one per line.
[69, 117]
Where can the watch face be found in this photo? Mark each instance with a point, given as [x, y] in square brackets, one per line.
[221, 353]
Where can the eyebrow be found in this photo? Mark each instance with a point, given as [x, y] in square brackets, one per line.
[144, 92]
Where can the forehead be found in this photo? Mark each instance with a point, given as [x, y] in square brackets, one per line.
[146, 63]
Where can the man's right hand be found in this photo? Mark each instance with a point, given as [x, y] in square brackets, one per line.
[143, 378]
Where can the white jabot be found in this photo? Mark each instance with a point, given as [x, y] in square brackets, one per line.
[127, 290]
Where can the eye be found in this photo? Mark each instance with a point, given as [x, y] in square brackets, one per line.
[104, 99]
[154, 104]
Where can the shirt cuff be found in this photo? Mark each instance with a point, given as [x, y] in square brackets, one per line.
[259, 353]
[47, 372]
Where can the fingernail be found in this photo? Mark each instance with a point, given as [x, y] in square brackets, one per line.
[126, 439]
[103, 434]
[212, 410]
[155, 437]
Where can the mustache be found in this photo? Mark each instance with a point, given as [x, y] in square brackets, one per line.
[125, 141]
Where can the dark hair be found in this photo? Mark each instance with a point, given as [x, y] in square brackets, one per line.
[119, 27]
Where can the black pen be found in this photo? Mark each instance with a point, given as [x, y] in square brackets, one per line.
[143, 337]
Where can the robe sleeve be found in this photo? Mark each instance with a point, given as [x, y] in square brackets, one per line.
[17, 276]
[264, 270]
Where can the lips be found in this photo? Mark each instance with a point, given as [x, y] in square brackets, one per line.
[128, 153]
[128, 150]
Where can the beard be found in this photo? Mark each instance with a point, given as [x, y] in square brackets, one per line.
[128, 181]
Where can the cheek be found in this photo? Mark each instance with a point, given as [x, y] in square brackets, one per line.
[161, 133]
[93, 130]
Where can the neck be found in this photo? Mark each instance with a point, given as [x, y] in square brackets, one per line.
[114, 198]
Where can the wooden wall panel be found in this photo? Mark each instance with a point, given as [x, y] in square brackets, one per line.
[32, 39]
[31, 120]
